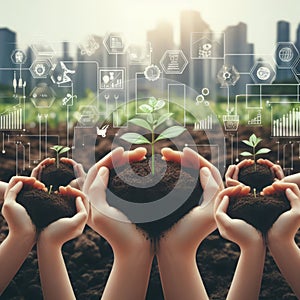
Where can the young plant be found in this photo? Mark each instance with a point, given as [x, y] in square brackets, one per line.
[253, 142]
[153, 120]
[59, 150]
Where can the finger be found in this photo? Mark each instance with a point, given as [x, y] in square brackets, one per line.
[293, 198]
[79, 171]
[70, 191]
[13, 192]
[99, 186]
[131, 156]
[280, 186]
[169, 154]
[15, 179]
[36, 171]
[209, 185]
[67, 160]
[244, 163]
[230, 172]
[111, 158]
[221, 216]
[278, 171]
[266, 162]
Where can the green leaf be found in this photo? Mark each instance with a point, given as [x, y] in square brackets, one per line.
[252, 139]
[163, 118]
[64, 149]
[134, 138]
[141, 123]
[160, 104]
[170, 133]
[263, 151]
[150, 118]
[258, 140]
[56, 148]
[146, 108]
[152, 101]
[247, 143]
[246, 153]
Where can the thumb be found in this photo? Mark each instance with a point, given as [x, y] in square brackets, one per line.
[209, 185]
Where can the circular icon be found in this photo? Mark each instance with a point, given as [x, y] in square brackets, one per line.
[39, 69]
[205, 91]
[226, 75]
[286, 54]
[199, 99]
[152, 73]
[263, 73]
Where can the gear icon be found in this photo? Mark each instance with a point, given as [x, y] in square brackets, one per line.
[40, 70]
[152, 72]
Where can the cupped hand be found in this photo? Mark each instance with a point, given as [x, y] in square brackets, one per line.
[235, 230]
[37, 171]
[232, 173]
[18, 220]
[79, 172]
[276, 169]
[288, 223]
[65, 229]
[186, 235]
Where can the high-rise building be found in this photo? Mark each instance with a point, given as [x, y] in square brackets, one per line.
[198, 72]
[7, 46]
[240, 54]
[283, 35]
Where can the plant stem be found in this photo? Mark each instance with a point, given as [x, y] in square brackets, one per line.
[254, 158]
[152, 152]
[57, 160]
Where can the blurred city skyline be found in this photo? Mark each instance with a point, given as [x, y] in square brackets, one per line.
[73, 21]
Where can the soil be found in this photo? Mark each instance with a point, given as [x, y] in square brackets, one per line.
[44, 208]
[137, 189]
[62, 176]
[261, 211]
[256, 176]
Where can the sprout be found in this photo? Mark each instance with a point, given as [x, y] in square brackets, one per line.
[59, 150]
[151, 123]
[253, 142]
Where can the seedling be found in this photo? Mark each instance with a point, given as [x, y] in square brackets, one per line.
[50, 189]
[59, 150]
[153, 120]
[253, 142]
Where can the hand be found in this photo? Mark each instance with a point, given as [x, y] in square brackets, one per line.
[288, 223]
[108, 221]
[232, 173]
[187, 234]
[235, 230]
[78, 171]
[276, 169]
[37, 171]
[65, 229]
[18, 220]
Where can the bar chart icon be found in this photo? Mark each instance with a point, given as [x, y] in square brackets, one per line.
[12, 119]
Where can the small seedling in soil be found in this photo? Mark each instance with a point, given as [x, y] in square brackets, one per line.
[59, 150]
[152, 121]
[45, 207]
[256, 176]
[59, 174]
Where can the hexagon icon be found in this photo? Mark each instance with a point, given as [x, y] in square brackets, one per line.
[173, 62]
[263, 73]
[40, 68]
[43, 48]
[88, 115]
[286, 55]
[228, 75]
[18, 57]
[296, 70]
[42, 96]
[114, 42]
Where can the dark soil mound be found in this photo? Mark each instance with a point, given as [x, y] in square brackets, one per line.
[260, 211]
[62, 176]
[171, 186]
[256, 176]
[44, 208]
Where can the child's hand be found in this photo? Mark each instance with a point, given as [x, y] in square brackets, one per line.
[276, 169]
[232, 173]
[287, 225]
[37, 171]
[18, 220]
[65, 229]
[235, 230]
[78, 171]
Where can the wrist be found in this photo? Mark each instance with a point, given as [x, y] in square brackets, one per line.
[23, 237]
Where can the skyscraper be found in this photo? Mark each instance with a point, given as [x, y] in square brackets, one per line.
[198, 71]
[283, 35]
[7, 46]
[240, 54]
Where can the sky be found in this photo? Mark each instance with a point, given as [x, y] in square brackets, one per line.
[74, 20]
